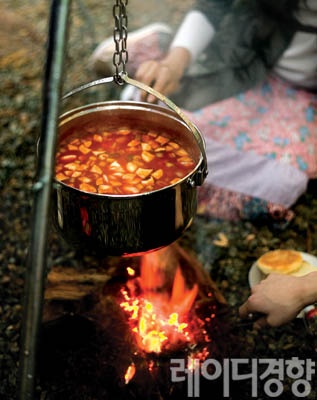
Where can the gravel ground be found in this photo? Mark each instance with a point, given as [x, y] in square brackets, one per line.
[23, 30]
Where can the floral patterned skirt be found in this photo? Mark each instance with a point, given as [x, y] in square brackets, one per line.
[266, 145]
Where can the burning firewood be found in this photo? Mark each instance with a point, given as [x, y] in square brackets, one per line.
[161, 301]
[143, 312]
[162, 287]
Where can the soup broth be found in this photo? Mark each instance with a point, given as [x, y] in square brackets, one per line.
[121, 161]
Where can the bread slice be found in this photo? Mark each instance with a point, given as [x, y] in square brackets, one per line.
[280, 261]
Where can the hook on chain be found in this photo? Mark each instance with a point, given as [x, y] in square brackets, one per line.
[120, 35]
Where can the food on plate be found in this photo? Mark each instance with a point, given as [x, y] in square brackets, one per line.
[280, 261]
[121, 161]
[305, 269]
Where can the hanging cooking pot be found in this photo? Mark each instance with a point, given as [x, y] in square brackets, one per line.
[112, 224]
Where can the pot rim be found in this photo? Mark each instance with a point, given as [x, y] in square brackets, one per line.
[127, 196]
[118, 104]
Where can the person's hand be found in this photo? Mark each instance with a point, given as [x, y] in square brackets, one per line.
[279, 297]
[159, 76]
[164, 76]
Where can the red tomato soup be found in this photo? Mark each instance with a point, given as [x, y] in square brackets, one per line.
[121, 161]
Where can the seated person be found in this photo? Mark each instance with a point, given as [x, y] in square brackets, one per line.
[245, 73]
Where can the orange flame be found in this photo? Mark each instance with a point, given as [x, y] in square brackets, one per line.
[159, 321]
[130, 372]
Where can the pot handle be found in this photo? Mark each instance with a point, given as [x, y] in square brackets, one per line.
[198, 178]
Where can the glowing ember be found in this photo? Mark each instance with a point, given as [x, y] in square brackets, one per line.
[160, 319]
[130, 372]
[131, 271]
[154, 328]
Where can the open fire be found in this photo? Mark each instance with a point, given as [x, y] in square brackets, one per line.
[160, 321]
[153, 309]
[161, 303]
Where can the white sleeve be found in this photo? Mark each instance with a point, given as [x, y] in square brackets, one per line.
[194, 34]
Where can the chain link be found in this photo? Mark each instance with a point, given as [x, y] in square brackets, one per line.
[120, 35]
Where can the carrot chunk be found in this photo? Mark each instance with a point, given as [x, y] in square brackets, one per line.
[144, 172]
[68, 158]
[162, 139]
[83, 149]
[87, 188]
[158, 174]
[131, 167]
[96, 169]
[105, 189]
[147, 156]
[97, 138]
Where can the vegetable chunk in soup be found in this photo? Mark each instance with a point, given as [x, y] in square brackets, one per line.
[121, 161]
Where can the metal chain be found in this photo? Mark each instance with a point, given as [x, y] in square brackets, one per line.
[120, 34]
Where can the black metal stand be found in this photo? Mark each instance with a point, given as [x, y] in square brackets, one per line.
[36, 262]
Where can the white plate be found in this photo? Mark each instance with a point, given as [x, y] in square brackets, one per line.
[256, 275]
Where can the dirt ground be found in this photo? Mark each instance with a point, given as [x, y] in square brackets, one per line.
[23, 36]
[24, 24]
